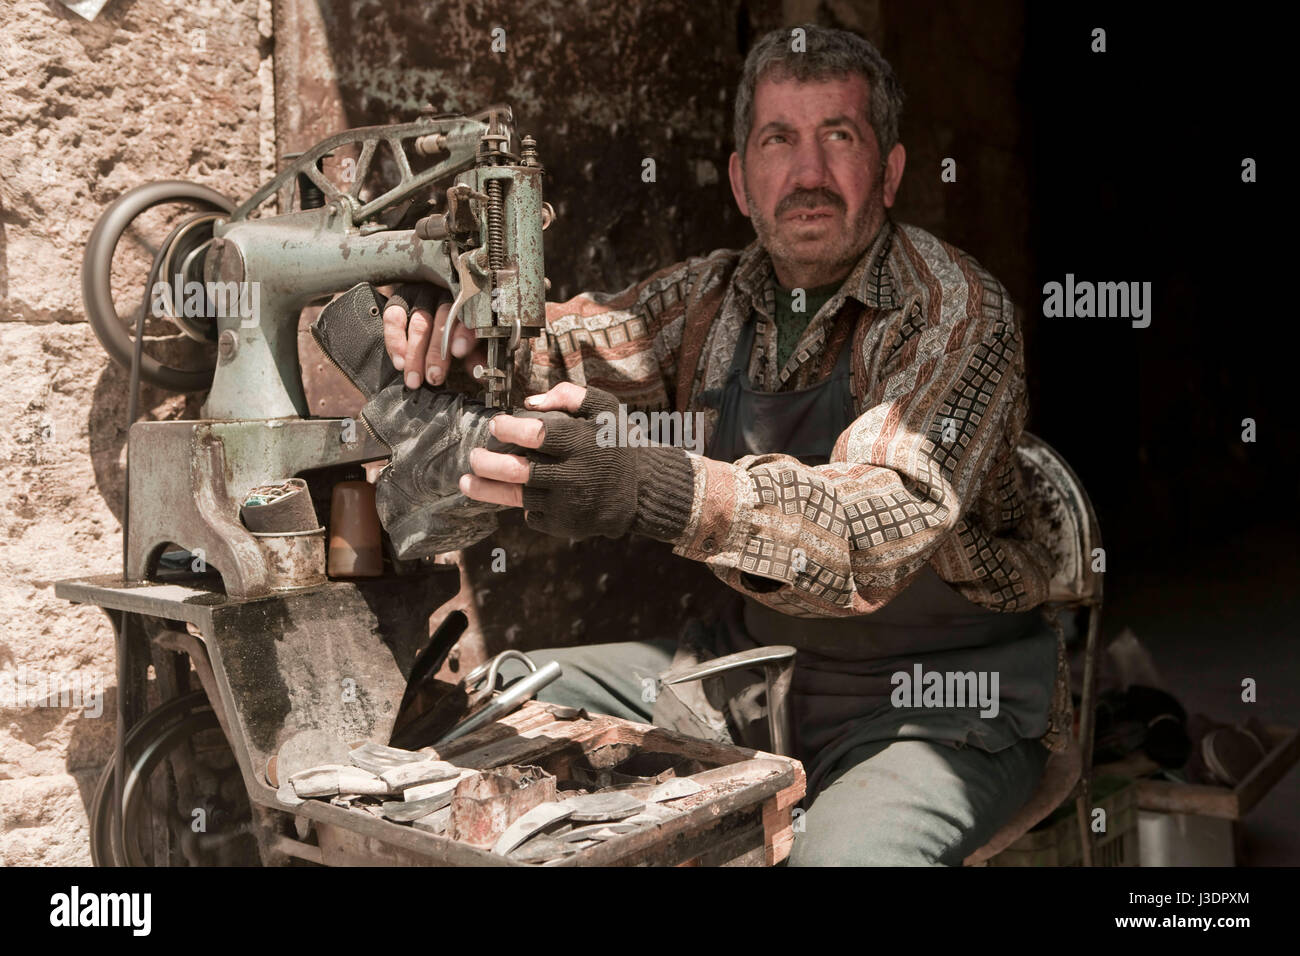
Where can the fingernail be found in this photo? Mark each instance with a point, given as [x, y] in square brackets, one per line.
[464, 484]
[492, 427]
[435, 375]
[460, 348]
[412, 379]
[532, 401]
[399, 363]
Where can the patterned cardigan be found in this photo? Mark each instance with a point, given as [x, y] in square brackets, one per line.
[925, 473]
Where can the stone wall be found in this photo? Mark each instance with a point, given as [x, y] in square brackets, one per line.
[148, 90]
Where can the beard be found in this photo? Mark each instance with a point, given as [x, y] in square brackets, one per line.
[838, 248]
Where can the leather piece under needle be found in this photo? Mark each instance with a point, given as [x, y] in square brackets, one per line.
[430, 433]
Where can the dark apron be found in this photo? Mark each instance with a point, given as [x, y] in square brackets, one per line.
[802, 423]
[842, 680]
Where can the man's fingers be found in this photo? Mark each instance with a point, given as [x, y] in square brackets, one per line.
[499, 467]
[395, 332]
[565, 397]
[435, 364]
[419, 334]
[524, 432]
[493, 492]
[408, 328]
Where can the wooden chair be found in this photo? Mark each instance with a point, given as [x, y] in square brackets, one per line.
[1064, 517]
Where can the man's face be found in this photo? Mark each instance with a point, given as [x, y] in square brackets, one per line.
[812, 179]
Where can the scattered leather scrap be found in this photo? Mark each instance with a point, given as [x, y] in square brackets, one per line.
[538, 818]
[674, 789]
[654, 813]
[377, 758]
[425, 790]
[334, 779]
[544, 848]
[414, 774]
[600, 831]
[595, 807]
[408, 811]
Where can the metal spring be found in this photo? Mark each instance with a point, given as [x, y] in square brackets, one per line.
[496, 226]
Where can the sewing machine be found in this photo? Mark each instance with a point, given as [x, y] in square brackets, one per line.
[278, 649]
[241, 278]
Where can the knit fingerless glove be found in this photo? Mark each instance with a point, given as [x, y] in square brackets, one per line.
[581, 484]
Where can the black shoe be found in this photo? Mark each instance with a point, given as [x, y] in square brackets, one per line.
[430, 433]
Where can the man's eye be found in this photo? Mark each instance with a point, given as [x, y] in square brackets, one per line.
[841, 133]
[775, 138]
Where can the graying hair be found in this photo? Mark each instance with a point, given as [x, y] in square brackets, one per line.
[827, 53]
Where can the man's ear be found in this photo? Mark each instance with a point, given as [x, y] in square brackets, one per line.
[736, 173]
[894, 172]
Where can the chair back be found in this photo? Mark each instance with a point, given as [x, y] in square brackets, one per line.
[1063, 521]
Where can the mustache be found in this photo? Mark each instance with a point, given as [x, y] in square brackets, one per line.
[809, 199]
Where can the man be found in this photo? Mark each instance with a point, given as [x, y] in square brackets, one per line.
[861, 386]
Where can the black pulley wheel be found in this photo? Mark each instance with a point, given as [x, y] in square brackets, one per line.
[159, 826]
[113, 332]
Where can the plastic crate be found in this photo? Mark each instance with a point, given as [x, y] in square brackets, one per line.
[1055, 841]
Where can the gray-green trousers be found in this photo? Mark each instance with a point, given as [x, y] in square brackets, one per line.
[886, 803]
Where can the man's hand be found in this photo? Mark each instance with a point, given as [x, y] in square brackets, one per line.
[575, 484]
[413, 334]
[500, 479]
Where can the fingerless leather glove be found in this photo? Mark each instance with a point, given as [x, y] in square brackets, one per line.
[430, 433]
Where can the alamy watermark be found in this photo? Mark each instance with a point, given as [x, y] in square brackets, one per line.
[23, 687]
[949, 690]
[645, 429]
[129, 910]
[197, 300]
[1098, 300]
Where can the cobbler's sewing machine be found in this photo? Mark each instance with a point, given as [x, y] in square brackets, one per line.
[455, 201]
[240, 278]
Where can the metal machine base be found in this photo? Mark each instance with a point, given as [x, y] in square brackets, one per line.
[188, 479]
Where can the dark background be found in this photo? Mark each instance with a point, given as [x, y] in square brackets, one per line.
[1135, 163]
[1115, 166]
[1135, 166]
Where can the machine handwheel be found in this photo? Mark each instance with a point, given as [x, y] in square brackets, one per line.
[177, 251]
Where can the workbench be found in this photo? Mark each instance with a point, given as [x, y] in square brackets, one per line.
[337, 657]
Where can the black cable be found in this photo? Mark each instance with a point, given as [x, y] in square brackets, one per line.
[123, 644]
[133, 394]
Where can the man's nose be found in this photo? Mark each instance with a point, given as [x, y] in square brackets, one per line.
[810, 166]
